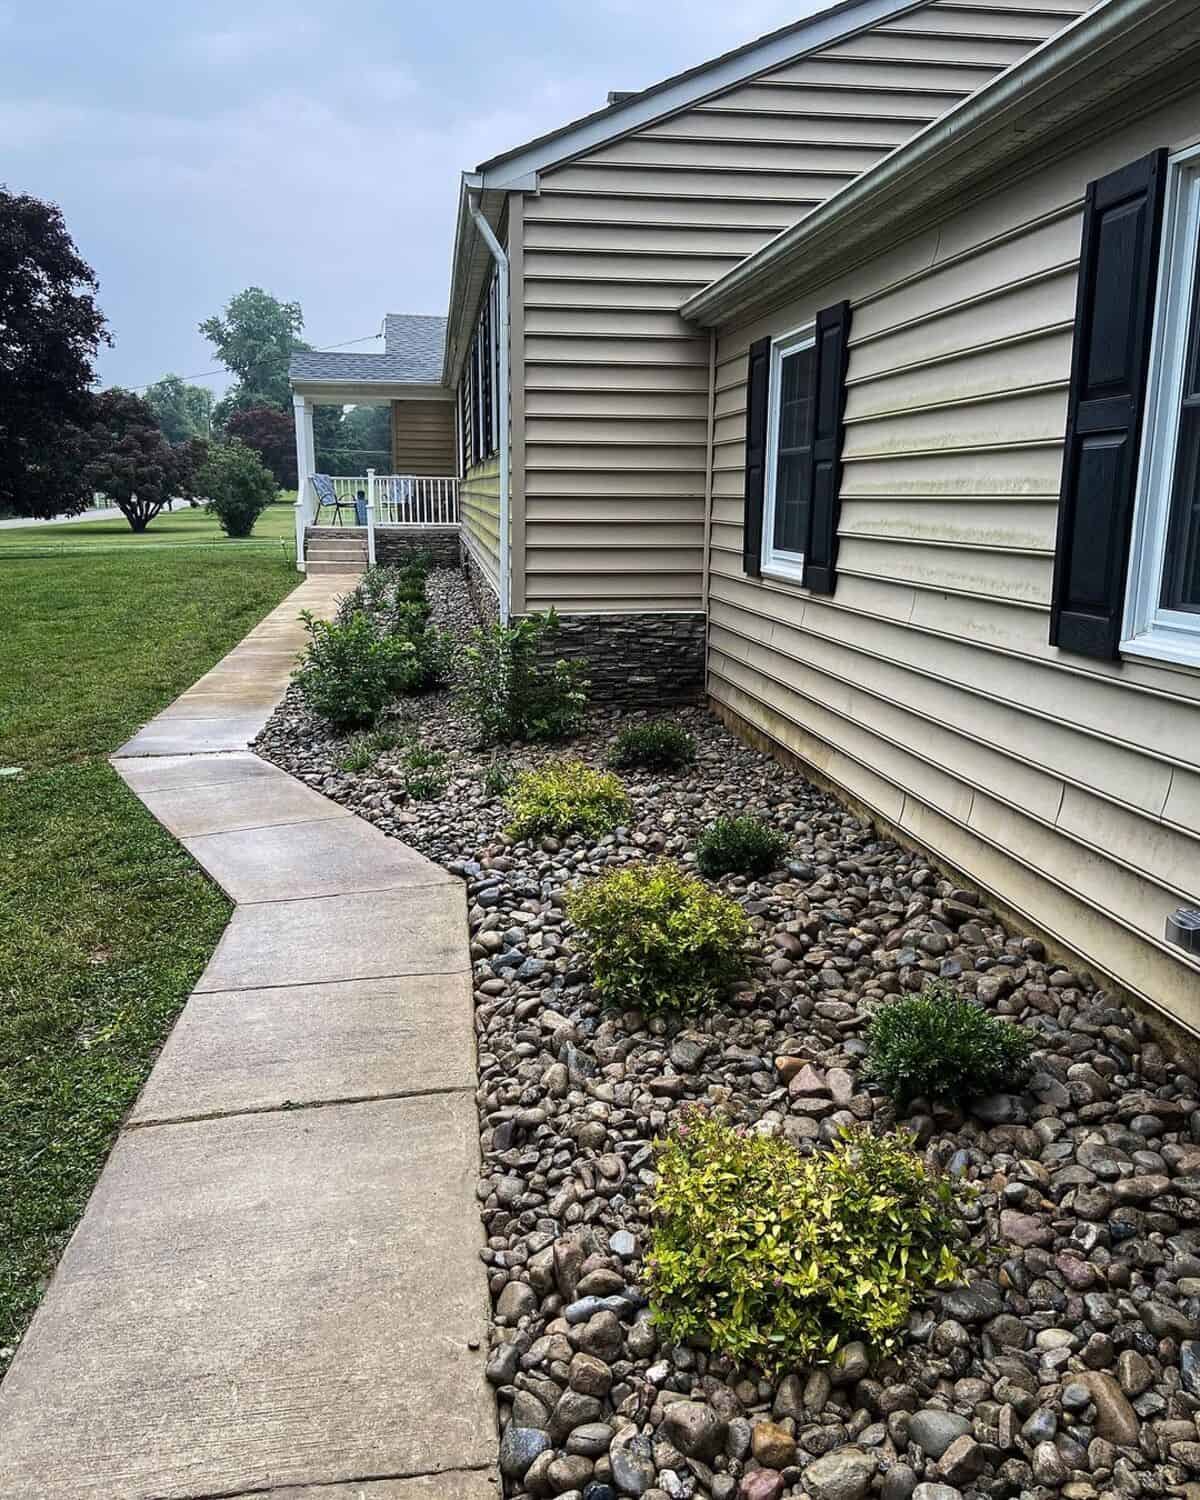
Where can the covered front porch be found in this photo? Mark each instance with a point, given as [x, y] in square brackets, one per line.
[347, 521]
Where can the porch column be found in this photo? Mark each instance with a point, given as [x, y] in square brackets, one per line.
[306, 464]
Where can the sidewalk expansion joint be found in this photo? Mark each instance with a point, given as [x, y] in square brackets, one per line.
[291, 1107]
[375, 890]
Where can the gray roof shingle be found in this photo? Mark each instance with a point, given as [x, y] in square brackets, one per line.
[414, 345]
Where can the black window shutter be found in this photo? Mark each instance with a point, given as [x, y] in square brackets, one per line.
[758, 380]
[485, 374]
[1118, 271]
[832, 355]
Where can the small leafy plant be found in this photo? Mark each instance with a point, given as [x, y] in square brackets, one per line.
[425, 773]
[739, 846]
[938, 1045]
[780, 1258]
[350, 673]
[393, 600]
[657, 746]
[565, 796]
[498, 777]
[659, 939]
[511, 690]
[362, 750]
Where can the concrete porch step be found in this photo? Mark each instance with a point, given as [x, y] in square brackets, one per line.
[349, 568]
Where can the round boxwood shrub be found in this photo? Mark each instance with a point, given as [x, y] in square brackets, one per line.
[739, 846]
[659, 939]
[938, 1045]
[657, 745]
[779, 1258]
[565, 796]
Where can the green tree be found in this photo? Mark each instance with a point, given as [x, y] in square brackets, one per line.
[183, 411]
[237, 485]
[364, 440]
[254, 337]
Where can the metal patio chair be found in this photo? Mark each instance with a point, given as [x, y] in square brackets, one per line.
[327, 496]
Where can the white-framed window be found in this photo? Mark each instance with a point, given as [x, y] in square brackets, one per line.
[1162, 611]
[787, 497]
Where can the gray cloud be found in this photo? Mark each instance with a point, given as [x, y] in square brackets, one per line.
[310, 149]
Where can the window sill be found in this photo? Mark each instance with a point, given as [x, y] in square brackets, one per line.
[779, 571]
[1171, 650]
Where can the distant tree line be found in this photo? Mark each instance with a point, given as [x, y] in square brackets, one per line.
[61, 440]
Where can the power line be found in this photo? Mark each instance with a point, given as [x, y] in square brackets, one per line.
[209, 374]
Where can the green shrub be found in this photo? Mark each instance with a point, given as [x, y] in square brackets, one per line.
[780, 1258]
[393, 600]
[739, 846]
[510, 691]
[362, 750]
[425, 774]
[659, 939]
[237, 485]
[938, 1045]
[658, 746]
[565, 796]
[498, 776]
[350, 673]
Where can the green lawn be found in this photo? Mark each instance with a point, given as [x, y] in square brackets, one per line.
[105, 923]
[170, 529]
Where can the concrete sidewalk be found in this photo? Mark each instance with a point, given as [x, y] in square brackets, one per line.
[276, 1288]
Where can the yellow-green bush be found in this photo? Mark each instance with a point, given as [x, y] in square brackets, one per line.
[565, 796]
[660, 939]
[781, 1259]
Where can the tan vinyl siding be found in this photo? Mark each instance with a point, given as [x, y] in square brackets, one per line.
[615, 383]
[423, 437]
[479, 506]
[926, 685]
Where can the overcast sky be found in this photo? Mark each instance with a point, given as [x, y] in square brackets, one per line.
[311, 149]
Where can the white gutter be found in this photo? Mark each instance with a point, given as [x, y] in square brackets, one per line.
[498, 255]
[1087, 62]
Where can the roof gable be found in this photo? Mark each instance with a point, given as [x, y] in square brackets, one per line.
[819, 28]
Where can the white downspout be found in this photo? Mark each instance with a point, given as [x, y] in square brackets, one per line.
[498, 255]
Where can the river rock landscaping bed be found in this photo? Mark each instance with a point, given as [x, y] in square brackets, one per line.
[1068, 1365]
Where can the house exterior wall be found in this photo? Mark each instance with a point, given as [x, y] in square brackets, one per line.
[479, 509]
[423, 440]
[925, 686]
[615, 417]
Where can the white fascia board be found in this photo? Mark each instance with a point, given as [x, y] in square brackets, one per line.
[516, 169]
[369, 390]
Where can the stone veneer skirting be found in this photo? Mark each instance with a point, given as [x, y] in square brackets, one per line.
[642, 660]
[395, 544]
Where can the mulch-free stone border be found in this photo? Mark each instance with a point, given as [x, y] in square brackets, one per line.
[1069, 1366]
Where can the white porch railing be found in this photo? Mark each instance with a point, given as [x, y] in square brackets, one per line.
[390, 500]
[403, 499]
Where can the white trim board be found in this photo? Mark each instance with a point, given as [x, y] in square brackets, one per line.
[1150, 630]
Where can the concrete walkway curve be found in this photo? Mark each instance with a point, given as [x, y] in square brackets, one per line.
[275, 1289]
